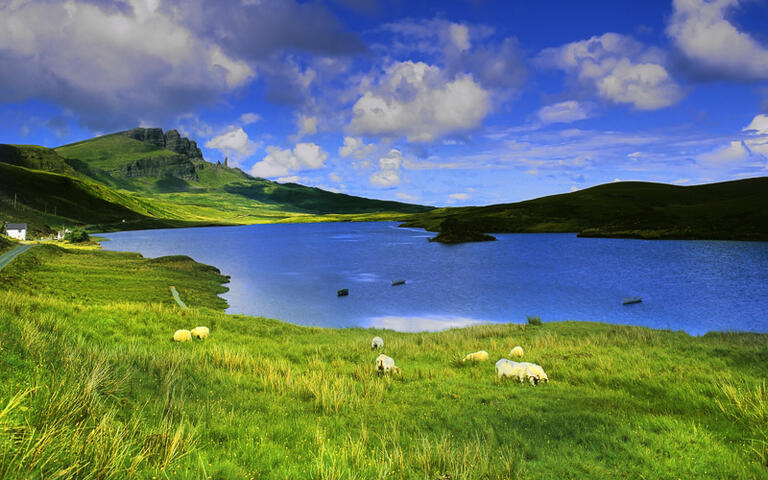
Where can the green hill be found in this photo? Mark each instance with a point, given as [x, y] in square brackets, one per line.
[728, 210]
[145, 178]
[166, 166]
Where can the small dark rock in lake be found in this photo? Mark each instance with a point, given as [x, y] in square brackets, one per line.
[343, 292]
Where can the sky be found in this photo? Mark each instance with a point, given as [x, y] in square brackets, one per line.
[439, 103]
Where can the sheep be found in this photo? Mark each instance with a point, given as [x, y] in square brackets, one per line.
[509, 369]
[377, 343]
[182, 336]
[535, 373]
[480, 356]
[200, 332]
[385, 364]
[517, 352]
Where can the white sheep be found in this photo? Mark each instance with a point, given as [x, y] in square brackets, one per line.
[385, 364]
[480, 356]
[182, 336]
[535, 373]
[517, 352]
[509, 369]
[377, 343]
[200, 332]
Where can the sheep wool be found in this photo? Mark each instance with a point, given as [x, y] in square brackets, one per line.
[480, 356]
[509, 369]
[200, 332]
[182, 336]
[377, 343]
[535, 373]
[385, 364]
[517, 352]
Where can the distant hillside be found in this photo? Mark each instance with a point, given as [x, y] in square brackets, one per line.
[145, 178]
[153, 163]
[728, 210]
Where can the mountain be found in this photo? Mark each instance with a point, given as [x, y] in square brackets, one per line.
[145, 178]
[732, 210]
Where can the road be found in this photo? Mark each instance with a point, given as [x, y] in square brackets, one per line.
[8, 256]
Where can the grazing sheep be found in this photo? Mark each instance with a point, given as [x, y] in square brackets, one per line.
[517, 352]
[535, 373]
[385, 364]
[377, 343]
[509, 369]
[200, 332]
[480, 356]
[182, 336]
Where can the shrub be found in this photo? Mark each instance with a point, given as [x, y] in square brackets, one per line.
[534, 320]
[77, 236]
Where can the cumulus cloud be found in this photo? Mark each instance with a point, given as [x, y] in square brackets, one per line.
[758, 125]
[418, 101]
[458, 196]
[282, 163]
[497, 65]
[459, 35]
[356, 148]
[118, 62]
[307, 126]
[113, 66]
[752, 147]
[563, 112]
[713, 46]
[249, 118]
[388, 174]
[619, 69]
[234, 143]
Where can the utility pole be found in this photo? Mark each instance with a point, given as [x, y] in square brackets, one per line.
[14, 201]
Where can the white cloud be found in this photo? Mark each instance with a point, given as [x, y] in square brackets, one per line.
[249, 118]
[758, 125]
[234, 143]
[619, 69]
[307, 126]
[634, 155]
[458, 196]
[459, 36]
[290, 179]
[416, 100]
[282, 163]
[111, 65]
[355, 147]
[734, 152]
[701, 31]
[563, 112]
[335, 177]
[407, 197]
[388, 174]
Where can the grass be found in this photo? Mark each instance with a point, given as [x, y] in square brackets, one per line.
[83, 184]
[92, 387]
[627, 209]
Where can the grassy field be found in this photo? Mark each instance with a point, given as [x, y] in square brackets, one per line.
[726, 211]
[92, 387]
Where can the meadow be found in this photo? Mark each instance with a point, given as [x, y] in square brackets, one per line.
[91, 386]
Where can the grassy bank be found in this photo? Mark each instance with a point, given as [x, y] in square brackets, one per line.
[92, 387]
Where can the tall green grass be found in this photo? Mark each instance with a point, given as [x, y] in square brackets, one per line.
[93, 387]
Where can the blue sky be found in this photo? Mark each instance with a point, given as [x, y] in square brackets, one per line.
[441, 103]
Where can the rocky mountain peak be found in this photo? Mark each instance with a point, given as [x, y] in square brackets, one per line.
[170, 140]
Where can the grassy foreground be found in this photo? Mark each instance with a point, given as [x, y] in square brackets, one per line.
[92, 387]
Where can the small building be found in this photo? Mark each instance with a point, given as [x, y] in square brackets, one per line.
[16, 230]
[62, 233]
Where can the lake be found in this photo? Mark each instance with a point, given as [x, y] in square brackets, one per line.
[292, 272]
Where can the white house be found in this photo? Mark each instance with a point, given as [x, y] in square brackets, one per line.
[16, 230]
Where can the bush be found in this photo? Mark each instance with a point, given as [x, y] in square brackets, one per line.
[76, 236]
[534, 320]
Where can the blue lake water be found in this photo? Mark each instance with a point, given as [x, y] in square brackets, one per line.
[292, 272]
